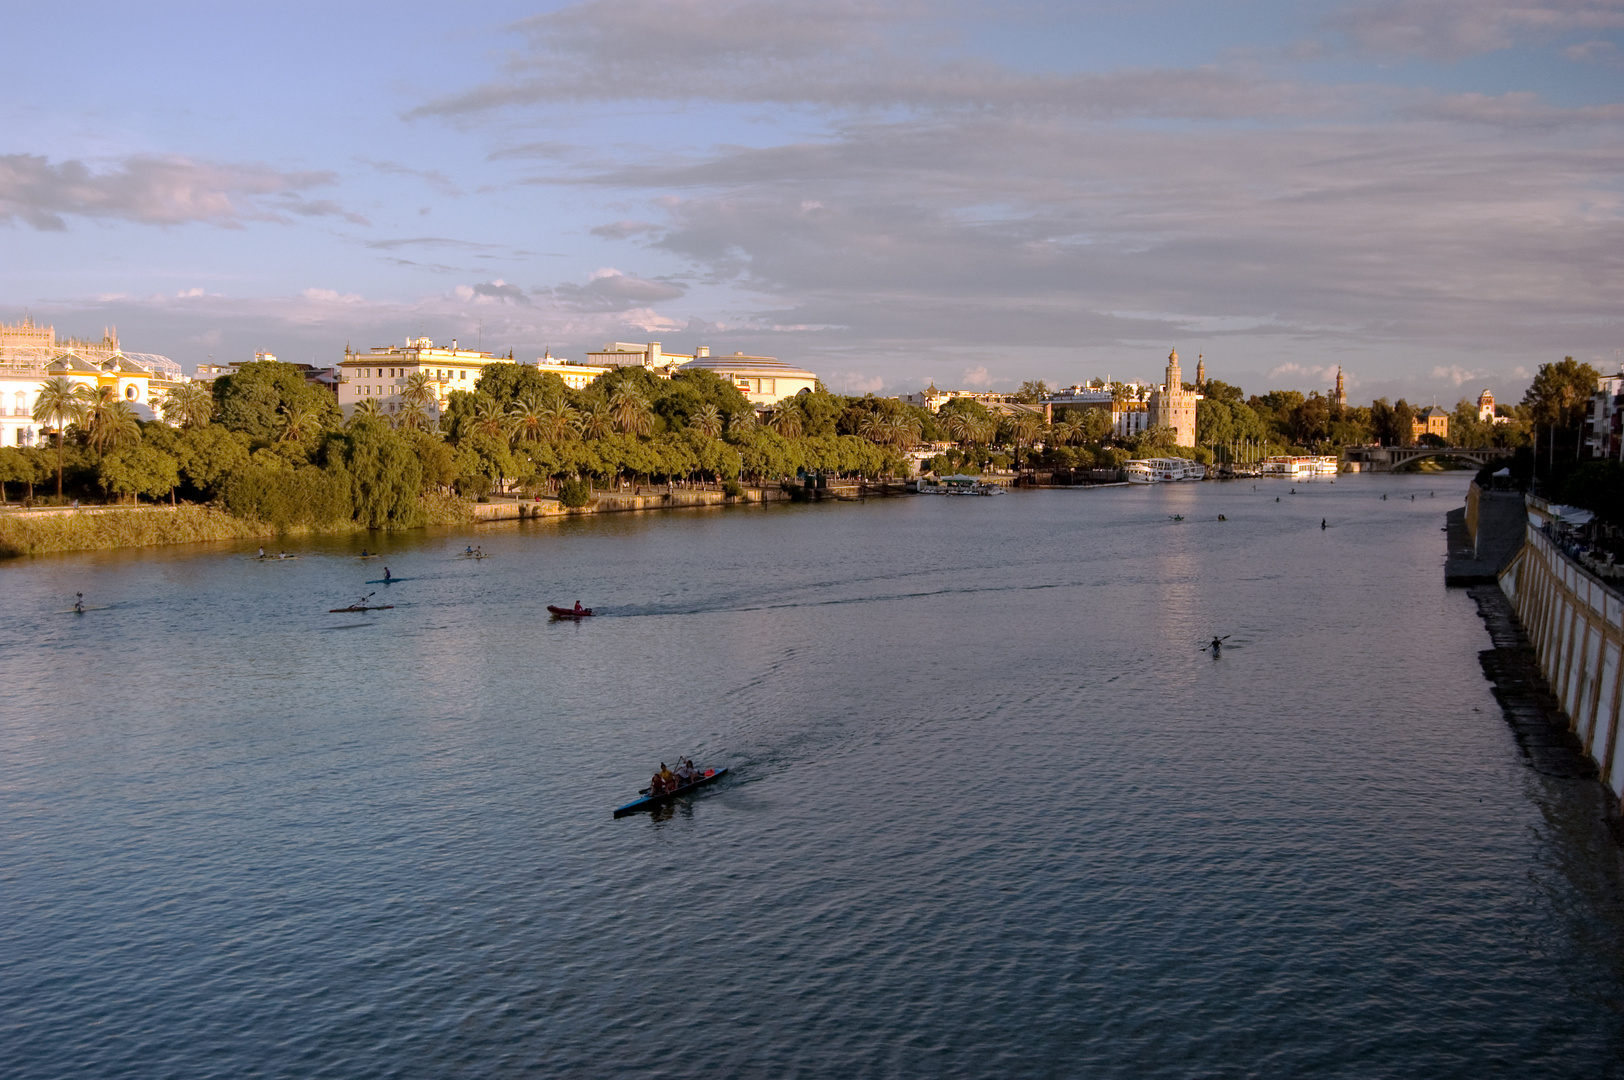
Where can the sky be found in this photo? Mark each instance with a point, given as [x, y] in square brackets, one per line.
[1426, 193]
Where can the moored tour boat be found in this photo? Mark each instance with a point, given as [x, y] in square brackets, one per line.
[958, 485]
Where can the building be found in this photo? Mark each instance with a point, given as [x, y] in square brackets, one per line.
[575, 376]
[1201, 372]
[763, 380]
[315, 376]
[1430, 421]
[381, 374]
[31, 354]
[1604, 421]
[649, 356]
[933, 399]
[1340, 394]
[1173, 406]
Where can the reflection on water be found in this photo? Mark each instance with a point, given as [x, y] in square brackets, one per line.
[994, 812]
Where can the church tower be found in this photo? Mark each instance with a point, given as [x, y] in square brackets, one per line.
[1341, 395]
[1200, 371]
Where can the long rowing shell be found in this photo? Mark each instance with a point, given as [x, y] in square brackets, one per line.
[652, 801]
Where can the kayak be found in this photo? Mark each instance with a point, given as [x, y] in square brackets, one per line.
[651, 801]
[569, 613]
[386, 581]
[360, 607]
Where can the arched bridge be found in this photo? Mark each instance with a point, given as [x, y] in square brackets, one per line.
[1393, 458]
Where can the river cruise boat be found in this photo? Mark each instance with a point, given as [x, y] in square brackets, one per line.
[1285, 467]
[958, 485]
[1163, 470]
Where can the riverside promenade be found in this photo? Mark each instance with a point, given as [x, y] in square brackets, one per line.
[520, 508]
[1557, 664]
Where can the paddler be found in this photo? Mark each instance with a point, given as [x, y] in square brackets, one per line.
[386, 575]
[667, 777]
[79, 604]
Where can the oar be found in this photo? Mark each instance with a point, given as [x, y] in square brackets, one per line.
[1209, 644]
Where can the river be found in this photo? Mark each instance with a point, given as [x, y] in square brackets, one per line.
[993, 812]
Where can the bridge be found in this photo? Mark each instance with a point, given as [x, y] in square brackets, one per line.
[1394, 458]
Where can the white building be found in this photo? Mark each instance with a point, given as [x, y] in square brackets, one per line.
[381, 373]
[31, 354]
[763, 380]
[575, 376]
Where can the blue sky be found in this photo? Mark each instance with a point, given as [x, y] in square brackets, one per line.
[1425, 192]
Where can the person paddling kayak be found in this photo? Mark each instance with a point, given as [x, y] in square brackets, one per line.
[387, 576]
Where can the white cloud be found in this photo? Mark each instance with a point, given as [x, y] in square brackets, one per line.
[153, 190]
[977, 376]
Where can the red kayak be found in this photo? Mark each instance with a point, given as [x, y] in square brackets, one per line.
[569, 613]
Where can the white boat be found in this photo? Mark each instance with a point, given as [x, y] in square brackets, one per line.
[1299, 467]
[958, 485]
[1163, 470]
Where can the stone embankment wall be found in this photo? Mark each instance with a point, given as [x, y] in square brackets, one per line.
[1575, 624]
[608, 502]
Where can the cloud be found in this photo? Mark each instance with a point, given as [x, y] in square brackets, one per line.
[497, 290]
[435, 179]
[1594, 52]
[429, 242]
[1513, 109]
[610, 290]
[1453, 29]
[151, 190]
[621, 230]
[530, 151]
[977, 376]
[830, 54]
[1456, 374]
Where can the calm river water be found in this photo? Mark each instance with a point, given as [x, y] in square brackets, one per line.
[994, 813]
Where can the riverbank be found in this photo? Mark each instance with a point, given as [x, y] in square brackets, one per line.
[47, 531]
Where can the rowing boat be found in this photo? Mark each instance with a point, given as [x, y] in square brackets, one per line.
[651, 801]
[360, 607]
[569, 613]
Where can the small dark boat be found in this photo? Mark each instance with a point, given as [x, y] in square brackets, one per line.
[360, 607]
[569, 613]
[650, 801]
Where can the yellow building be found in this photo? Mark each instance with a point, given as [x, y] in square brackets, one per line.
[381, 373]
[31, 354]
[1432, 421]
[575, 376]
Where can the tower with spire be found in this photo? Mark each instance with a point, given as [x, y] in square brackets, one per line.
[1340, 396]
[1200, 371]
[1173, 406]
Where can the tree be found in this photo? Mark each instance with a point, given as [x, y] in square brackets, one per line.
[208, 456]
[1032, 392]
[596, 422]
[420, 390]
[190, 405]
[137, 470]
[786, 420]
[707, 421]
[1558, 399]
[14, 468]
[1024, 427]
[631, 412]
[113, 424]
[527, 418]
[299, 423]
[57, 404]
[385, 473]
[252, 400]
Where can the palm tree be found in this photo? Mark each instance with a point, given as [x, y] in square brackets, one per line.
[560, 421]
[1024, 427]
[527, 416]
[630, 410]
[412, 417]
[300, 422]
[57, 404]
[97, 402]
[596, 422]
[370, 407]
[741, 421]
[707, 421]
[420, 390]
[786, 421]
[489, 419]
[191, 404]
[115, 425]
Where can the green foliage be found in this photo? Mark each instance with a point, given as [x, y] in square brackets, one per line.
[258, 397]
[575, 493]
[732, 489]
[30, 534]
[386, 476]
[207, 457]
[15, 468]
[1597, 486]
[438, 460]
[138, 470]
[285, 498]
[508, 382]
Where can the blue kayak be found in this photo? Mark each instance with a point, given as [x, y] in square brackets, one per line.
[652, 801]
[386, 581]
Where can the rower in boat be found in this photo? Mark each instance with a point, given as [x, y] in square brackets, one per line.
[386, 575]
[579, 610]
[79, 604]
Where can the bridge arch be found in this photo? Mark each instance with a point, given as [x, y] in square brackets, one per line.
[1404, 458]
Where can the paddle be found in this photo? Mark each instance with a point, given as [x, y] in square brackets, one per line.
[1214, 641]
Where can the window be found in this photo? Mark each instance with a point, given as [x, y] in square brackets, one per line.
[130, 392]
